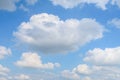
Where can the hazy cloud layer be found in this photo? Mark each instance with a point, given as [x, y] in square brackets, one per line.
[3, 70]
[9, 5]
[21, 77]
[73, 3]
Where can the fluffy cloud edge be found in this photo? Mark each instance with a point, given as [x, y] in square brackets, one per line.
[52, 35]
[4, 52]
[33, 60]
[107, 56]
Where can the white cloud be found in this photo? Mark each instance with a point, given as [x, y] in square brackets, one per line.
[22, 77]
[3, 70]
[33, 60]
[2, 78]
[73, 3]
[116, 2]
[70, 75]
[82, 69]
[95, 72]
[9, 5]
[4, 51]
[87, 78]
[115, 22]
[31, 2]
[108, 56]
[48, 34]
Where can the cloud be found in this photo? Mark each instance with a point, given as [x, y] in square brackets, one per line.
[73, 3]
[4, 51]
[87, 78]
[2, 78]
[108, 56]
[116, 2]
[48, 34]
[95, 72]
[33, 60]
[3, 70]
[115, 22]
[22, 77]
[31, 2]
[23, 8]
[82, 69]
[9, 5]
[70, 75]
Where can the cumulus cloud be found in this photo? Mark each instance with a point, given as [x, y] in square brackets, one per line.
[78, 73]
[31, 2]
[108, 56]
[3, 70]
[95, 72]
[33, 60]
[9, 5]
[115, 22]
[48, 34]
[82, 69]
[105, 65]
[73, 3]
[70, 75]
[4, 51]
[22, 77]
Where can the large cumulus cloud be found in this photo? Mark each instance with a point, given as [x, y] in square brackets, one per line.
[47, 33]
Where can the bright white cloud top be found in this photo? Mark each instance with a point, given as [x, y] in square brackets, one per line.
[33, 60]
[47, 33]
[109, 56]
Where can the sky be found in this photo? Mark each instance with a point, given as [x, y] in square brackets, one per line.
[59, 39]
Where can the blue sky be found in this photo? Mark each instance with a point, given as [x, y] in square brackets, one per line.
[59, 39]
